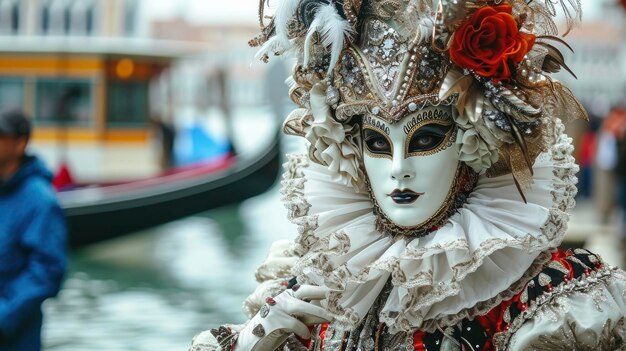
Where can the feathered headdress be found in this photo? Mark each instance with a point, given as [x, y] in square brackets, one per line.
[492, 59]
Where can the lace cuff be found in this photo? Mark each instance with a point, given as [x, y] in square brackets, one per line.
[273, 275]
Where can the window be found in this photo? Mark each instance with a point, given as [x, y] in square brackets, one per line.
[9, 16]
[89, 18]
[61, 17]
[66, 14]
[78, 18]
[45, 18]
[81, 17]
[55, 17]
[11, 93]
[64, 101]
[127, 103]
[130, 17]
[15, 18]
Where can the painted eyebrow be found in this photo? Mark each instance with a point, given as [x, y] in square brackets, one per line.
[420, 118]
[369, 121]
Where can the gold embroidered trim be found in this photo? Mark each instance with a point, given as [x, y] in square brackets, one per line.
[571, 337]
[585, 284]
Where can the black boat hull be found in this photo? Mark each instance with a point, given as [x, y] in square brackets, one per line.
[106, 218]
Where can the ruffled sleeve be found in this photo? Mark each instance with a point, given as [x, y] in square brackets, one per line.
[272, 276]
[204, 341]
[589, 314]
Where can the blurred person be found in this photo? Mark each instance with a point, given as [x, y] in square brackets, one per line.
[162, 119]
[224, 103]
[217, 95]
[166, 135]
[616, 127]
[604, 182]
[587, 154]
[32, 237]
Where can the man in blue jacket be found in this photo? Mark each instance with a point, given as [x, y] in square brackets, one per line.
[32, 238]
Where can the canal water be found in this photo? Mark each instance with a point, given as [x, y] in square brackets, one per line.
[156, 289]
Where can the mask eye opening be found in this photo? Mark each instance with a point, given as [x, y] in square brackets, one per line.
[440, 132]
[376, 143]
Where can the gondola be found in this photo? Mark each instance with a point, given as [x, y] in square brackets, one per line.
[96, 214]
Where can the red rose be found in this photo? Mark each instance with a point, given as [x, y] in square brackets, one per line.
[490, 44]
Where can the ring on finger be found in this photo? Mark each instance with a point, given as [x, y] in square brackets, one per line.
[265, 310]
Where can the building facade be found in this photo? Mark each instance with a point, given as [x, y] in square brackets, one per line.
[83, 72]
[65, 63]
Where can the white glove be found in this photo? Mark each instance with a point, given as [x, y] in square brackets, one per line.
[289, 312]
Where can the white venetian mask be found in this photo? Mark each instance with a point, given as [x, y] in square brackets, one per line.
[412, 165]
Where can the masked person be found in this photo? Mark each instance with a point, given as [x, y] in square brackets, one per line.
[436, 189]
[32, 237]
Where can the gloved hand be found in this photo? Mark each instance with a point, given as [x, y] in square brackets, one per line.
[289, 312]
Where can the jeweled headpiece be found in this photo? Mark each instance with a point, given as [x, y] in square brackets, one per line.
[387, 74]
[491, 59]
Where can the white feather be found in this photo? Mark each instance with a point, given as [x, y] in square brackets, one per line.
[271, 46]
[334, 31]
[285, 11]
[307, 41]
[425, 29]
[291, 83]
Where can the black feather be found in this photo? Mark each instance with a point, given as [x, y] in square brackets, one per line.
[557, 39]
[554, 60]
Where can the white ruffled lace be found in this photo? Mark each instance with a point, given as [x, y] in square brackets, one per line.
[331, 143]
[485, 253]
[474, 151]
